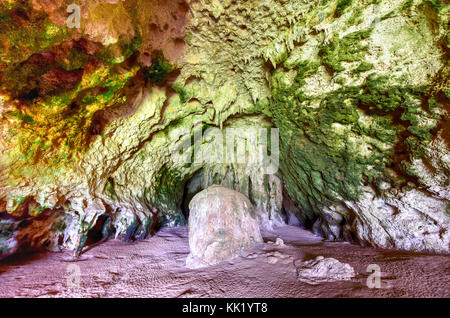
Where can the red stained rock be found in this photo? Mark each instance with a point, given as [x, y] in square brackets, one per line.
[59, 79]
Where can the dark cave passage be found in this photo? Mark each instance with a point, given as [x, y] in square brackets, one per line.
[191, 187]
[100, 231]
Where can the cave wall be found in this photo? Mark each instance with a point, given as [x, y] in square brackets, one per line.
[358, 90]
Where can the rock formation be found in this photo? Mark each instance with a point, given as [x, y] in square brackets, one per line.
[91, 117]
[222, 224]
[322, 270]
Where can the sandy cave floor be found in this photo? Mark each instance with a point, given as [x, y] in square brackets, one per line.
[155, 268]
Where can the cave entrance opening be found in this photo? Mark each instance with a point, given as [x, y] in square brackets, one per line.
[100, 231]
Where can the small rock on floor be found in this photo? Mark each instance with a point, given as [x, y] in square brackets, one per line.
[322, 270]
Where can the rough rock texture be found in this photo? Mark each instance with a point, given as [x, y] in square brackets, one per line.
[30, 234]
[222, 224]
[359, 91]
[320, 270]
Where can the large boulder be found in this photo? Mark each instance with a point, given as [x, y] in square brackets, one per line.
[221, 224]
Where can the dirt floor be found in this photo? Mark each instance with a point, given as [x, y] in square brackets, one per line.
[155, 268]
